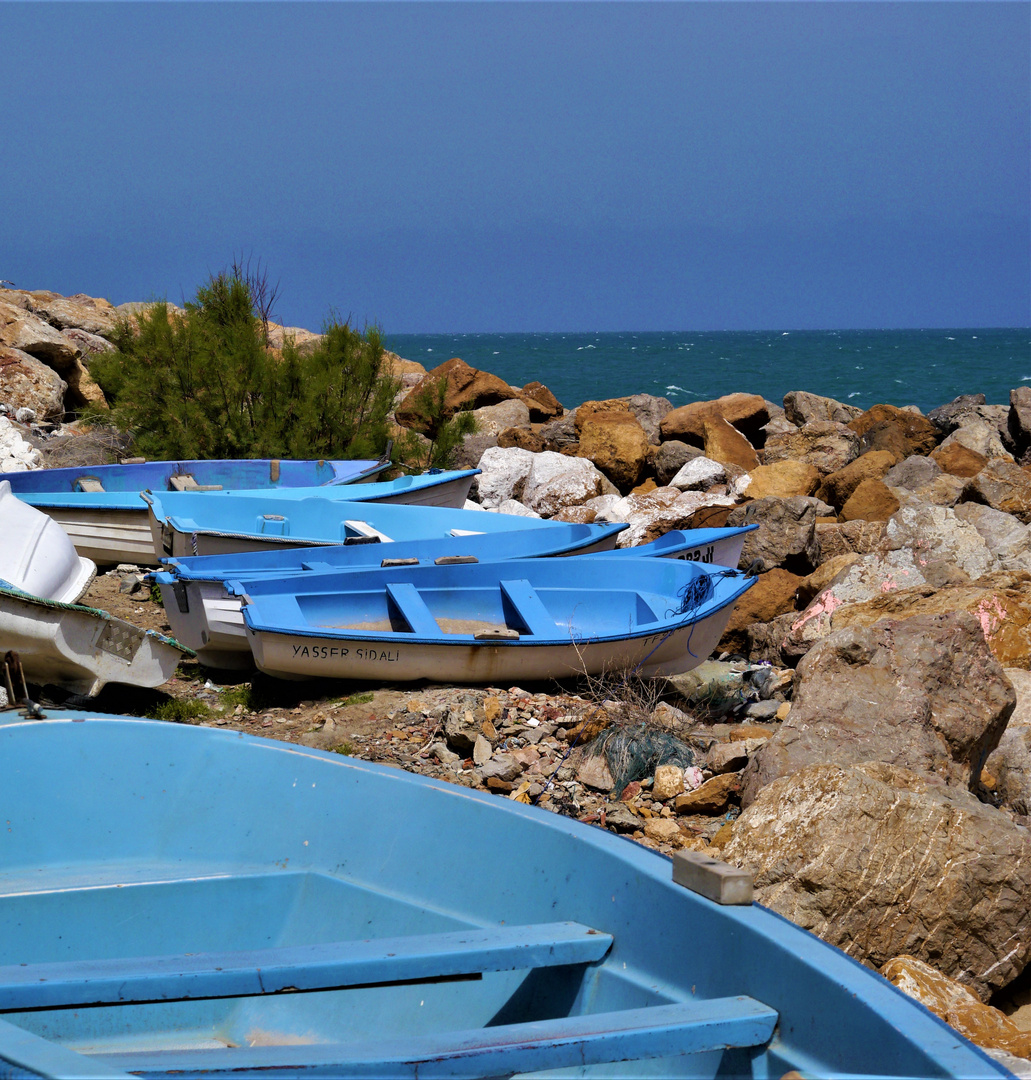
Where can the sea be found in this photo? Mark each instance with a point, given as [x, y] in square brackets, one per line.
[926, 368]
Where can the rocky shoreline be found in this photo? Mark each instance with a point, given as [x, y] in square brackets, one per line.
[863, 745]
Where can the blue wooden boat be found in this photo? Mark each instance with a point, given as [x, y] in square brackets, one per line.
[208, 620]
[193, 475]
[185, 525]
[114, 526]
[193, 903]
[500, 622]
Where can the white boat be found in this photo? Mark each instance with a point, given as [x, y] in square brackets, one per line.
[80, 648]
[499, 622]
[37, 555]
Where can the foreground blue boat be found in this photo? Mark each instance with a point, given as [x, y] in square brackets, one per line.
[498, 622]
[187, 902]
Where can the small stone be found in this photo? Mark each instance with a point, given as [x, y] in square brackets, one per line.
[713, 797]
[481, 750]
[594, 772]
[664, 830]
[782, 712]
[669, 782]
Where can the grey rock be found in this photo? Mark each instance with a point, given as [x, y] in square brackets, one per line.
[1007, 538]
[670, 458]
[882, 862]
[1010, 762]
[802, 408]
[649, 411]
[786, 535]
[924, 693]
[824, 444]
[913, 473]
[950, 416]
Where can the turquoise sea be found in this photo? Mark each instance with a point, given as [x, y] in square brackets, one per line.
[925, 368]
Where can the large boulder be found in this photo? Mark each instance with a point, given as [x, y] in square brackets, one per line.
[1000, 602]
[1004, 486]
[938, 534]
[724, 443]
[26, 382]
[783, 480]
[467, 389]
[772, 594]
[1018, 422]
[541, 402]
[16, 454]
[1007, 772]
[28, 333]
[617, 444]
[747, 412]
[882, 862]
[650, 412]
[825, 444]
[92, 314]
[924, 693]
[1004, 535]
[494, 419]
[503, 473]
[837, 487]
[560, 434]
[885, 427]
[848, 537]
[670, 458]
[554, 481]
[803, 408]
[786, 536]
[871, 500]
[651, 514]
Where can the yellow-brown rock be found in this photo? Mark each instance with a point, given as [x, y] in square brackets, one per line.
[773, 594]
[783, 479]
[576, 515]
[523, 437]
[957, 1006]
[872, 500]
[959, 460]
[589, 409]
[725, 444]
[837, 487]
[747, 412]
[885, 427]
[541, 402]
[646, 485]
[467, 388]
[713, 797]
[617, 445]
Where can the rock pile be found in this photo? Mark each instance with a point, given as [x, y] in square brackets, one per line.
[864, 746]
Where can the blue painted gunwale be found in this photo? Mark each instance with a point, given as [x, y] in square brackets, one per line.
[546, 539]
[230, 473]
[595, 598]
[318, 521]
[365, 491]
[226, 844]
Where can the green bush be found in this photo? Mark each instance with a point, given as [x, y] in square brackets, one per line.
[201, 383]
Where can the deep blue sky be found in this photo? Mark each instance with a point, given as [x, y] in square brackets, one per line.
[443, 167]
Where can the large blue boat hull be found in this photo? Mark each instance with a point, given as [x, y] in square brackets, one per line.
[182, 901]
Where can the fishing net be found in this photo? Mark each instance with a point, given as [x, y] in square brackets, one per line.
[632, 753]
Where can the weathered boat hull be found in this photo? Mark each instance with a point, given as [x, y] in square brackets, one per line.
[716, 547]
[190, 902]
[80, 648]
[36, 554]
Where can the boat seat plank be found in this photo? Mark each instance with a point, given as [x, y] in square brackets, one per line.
[41, 1057]
[655, 1031]
[186, 482]
[528, 606]
[88, 483]
[304, 967]
[413, 608]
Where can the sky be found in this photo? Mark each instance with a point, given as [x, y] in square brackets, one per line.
[435, 167]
